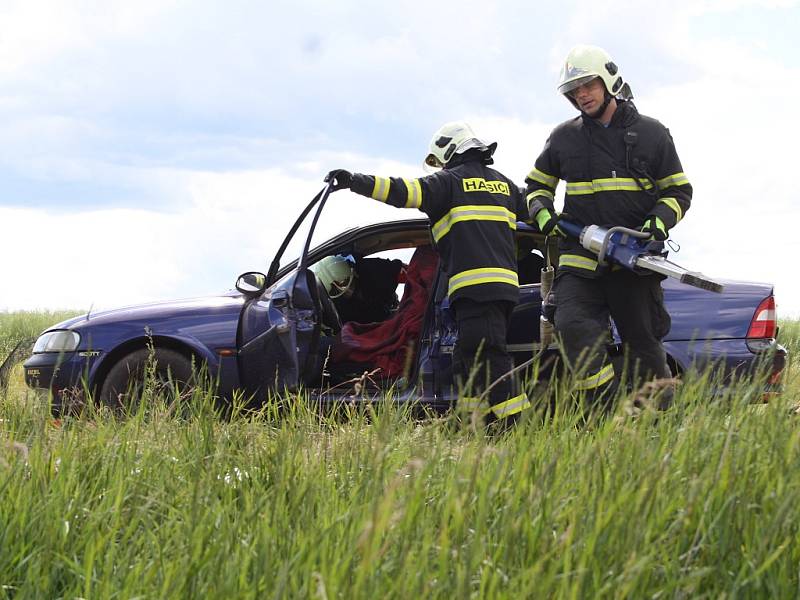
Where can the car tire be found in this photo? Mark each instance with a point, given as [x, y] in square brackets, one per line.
[123, 386]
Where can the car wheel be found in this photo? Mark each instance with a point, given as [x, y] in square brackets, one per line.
[172, 377]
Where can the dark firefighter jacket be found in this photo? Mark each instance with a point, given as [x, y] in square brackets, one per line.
[473, 211]
[600, 166]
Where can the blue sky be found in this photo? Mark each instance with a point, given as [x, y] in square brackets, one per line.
[157, 149]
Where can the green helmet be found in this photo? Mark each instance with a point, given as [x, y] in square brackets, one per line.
[451, 139]
[584, 63]
[336, 274]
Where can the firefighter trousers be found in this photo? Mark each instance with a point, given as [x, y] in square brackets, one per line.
[480, 357]
[636, 304]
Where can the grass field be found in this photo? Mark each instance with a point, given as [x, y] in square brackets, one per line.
[700, 501]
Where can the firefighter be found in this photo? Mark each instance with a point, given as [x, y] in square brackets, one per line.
[473, 210]
[620, 169]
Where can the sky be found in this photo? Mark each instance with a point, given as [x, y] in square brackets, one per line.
[157, 149]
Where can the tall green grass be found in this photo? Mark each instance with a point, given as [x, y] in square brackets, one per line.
[17, 326]
[700, 501]
[789, 336]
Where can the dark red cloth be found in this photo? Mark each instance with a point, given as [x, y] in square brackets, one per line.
[386, 344]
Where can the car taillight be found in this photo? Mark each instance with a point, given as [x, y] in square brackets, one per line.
[764, 323]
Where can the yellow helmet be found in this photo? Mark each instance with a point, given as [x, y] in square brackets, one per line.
[452, 139]
[584, 63]
[336, 274]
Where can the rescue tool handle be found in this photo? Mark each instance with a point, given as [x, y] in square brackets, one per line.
[637, 235]
[624, 245]
[570, 228]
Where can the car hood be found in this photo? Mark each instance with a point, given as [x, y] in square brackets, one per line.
[229, 302]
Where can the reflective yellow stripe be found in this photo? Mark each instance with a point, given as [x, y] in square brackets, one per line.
[603, 376]
[675, 179]
[512, 406]
[577, 261]
[414, 193]
[472, 213]
[480, 276]
[542, 177]
[579, 187]
[545, 193]
[673, 204]
[542, 217]
[472, 404]
[610, 184]
[381, 189]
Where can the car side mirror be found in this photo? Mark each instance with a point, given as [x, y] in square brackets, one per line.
[251, 283]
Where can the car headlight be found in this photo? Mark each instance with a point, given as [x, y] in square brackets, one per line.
[57, 341]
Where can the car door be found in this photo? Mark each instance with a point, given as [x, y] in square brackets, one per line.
[278, 332]
[279, 328]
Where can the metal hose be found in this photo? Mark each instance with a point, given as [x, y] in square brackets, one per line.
[546, 328]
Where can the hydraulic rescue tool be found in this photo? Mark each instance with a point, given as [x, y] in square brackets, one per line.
[631, 249]
[628, 248]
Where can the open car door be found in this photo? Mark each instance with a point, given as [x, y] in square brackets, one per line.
[279, 327]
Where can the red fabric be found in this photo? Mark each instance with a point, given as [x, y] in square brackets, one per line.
[386, 344]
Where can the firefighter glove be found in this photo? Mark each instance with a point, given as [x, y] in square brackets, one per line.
[339, 179]
[547, 220]
[655, 227]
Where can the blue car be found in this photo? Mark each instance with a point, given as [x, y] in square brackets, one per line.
[281, 330]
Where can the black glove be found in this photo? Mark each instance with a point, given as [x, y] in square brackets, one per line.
[339, 179]
[655, 227]
[547, 220]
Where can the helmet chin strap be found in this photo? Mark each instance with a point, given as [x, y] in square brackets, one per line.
[599, 112]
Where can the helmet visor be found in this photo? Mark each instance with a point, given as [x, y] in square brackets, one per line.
[570, 86]
[469, 144]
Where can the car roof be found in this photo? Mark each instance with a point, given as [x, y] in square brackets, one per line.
[377, 237]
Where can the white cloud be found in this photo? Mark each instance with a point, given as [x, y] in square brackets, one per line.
[233, 222]
[210, 126]
[699, 7]
[79, 259]
[730, 126]
[35, 31]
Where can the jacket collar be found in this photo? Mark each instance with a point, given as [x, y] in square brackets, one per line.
[625, 115]
[472, 155]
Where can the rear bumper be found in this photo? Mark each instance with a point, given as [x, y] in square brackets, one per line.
[735, 358]
[776, 361]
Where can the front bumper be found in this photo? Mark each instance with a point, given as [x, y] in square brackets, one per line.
[65, 375]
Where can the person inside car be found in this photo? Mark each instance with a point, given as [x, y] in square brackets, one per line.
[363, 290]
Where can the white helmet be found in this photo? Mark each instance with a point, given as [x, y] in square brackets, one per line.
[451, 139]
[336, 274]
[583, 64]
